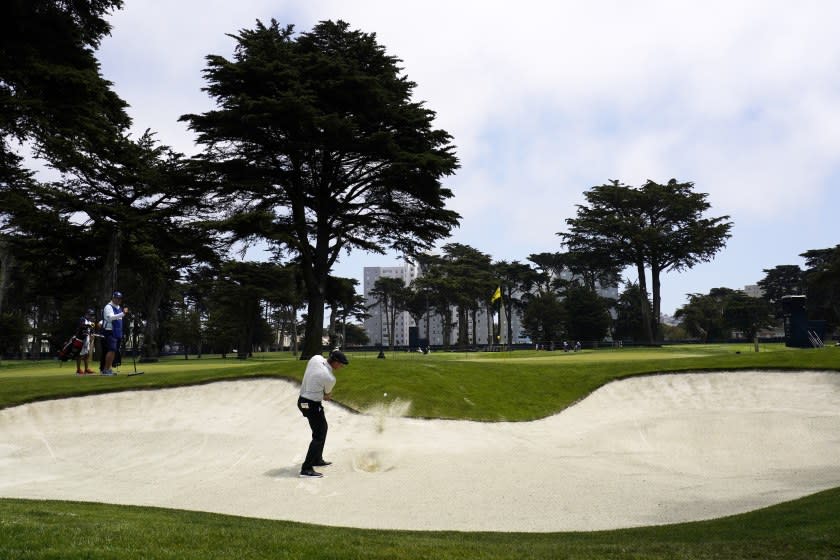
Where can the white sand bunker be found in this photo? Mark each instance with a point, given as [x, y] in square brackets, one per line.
[648, 450]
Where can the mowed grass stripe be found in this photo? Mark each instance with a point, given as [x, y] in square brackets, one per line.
[807, 528]
[516, 386]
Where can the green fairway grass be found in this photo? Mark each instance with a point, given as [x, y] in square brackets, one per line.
[516, 386]
[487, 386]
[808, 528]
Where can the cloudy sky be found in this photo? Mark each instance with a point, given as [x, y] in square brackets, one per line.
[547, 99]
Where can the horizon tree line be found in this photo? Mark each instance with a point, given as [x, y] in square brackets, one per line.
[315, 147]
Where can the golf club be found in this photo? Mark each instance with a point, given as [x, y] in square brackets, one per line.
[134, 362]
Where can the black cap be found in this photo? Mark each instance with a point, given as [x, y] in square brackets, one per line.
[90, 312]
[338, 356]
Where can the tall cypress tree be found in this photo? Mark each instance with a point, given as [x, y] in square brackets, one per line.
[660, 227]
[317, 147]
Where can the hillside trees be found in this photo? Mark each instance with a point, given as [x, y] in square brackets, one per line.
[240, 294]
[121, 210]
[655, 227]
[747, 315]
[543, 318]
[470, 270]
[442, 294]
[628, 322]
[129, 220]
[781, 280]
[515, 282]
[822, 280]
[343, 301]
[54, 102]
[716, 315]
[389, 295]
[587, 316]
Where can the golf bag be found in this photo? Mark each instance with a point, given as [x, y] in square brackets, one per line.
[71, 349]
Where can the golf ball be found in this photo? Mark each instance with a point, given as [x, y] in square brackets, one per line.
[384, 394]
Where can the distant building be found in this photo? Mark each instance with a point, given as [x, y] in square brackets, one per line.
[754, 291]
[376, 325]
[406, 332]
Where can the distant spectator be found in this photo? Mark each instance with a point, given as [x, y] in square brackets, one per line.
[84, 332]
[112, 331]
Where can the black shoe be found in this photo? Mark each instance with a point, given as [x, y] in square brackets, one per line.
[309, 473]
[321, 463]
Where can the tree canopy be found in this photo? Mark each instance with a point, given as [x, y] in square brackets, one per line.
[723, 312]
[781, 280]
[51, 90]
[317, 147]
[822, 279]
[656, 227]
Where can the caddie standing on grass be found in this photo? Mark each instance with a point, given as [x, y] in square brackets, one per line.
[112, 330]
[316, 387]
[84, 332]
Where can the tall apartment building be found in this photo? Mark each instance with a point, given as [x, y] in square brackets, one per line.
[376, 325]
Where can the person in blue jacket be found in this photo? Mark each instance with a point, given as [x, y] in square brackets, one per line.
[112, 330]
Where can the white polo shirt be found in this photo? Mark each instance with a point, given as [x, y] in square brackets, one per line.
[318, 379]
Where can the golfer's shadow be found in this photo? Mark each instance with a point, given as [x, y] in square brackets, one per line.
[283, 472]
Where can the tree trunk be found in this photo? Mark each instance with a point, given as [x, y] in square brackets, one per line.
[428, 325]
[463, 338]
[508, 308]
[446, 325]
[655, 271]
[7, 261]
[331, 331]
[151, 351]
[474, 312]
[312, 343]
[644, 305]
[293, 332]
[110, 268]
[490, 330]
[244, 342]
[392, 325]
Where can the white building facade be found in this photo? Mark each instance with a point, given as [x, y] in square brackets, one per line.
[376, 325]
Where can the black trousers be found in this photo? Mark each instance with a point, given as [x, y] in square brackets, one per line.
[314, 412]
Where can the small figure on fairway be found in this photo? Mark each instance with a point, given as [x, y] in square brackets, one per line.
[316, 387]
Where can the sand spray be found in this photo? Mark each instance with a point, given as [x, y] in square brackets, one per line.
[379, 457]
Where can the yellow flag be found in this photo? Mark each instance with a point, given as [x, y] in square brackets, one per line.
[496, 295]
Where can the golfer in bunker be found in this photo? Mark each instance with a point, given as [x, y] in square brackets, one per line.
[317, 385]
